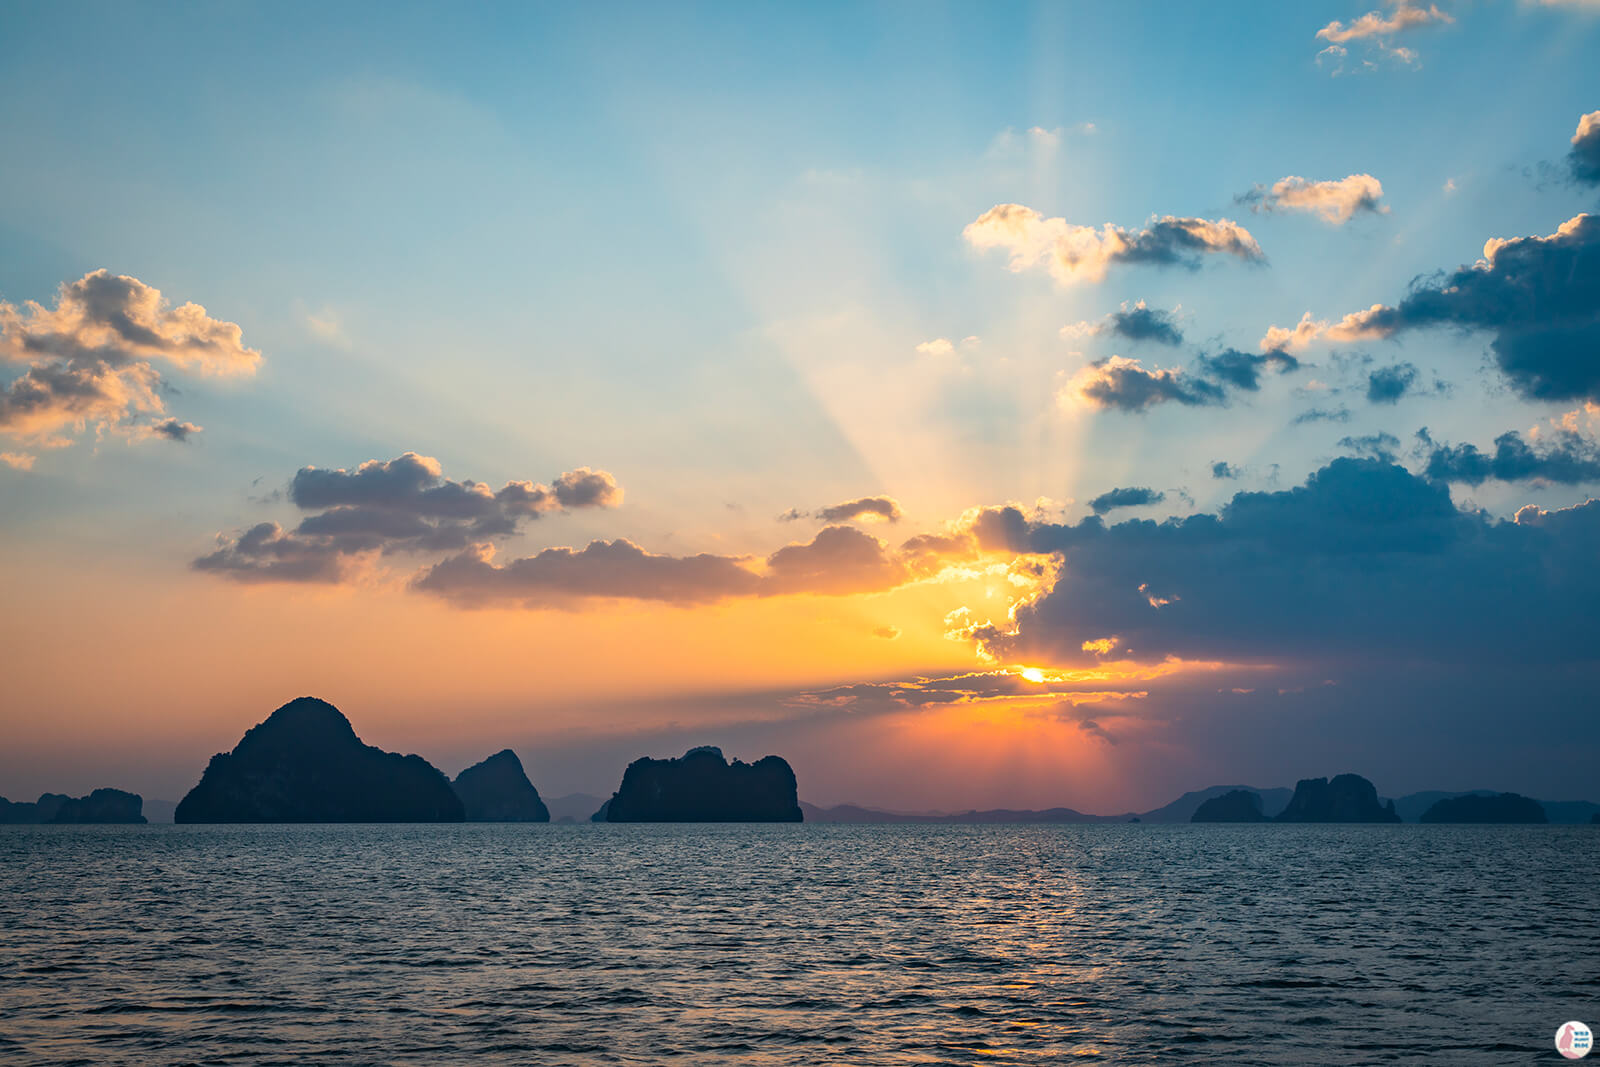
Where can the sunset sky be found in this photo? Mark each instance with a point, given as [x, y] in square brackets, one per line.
[978, 405]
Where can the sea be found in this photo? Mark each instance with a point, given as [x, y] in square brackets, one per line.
[795, 944]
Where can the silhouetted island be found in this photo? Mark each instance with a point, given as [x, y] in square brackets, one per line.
[702, 786]
[306, 764]
[497, 790]
[100, 806]
[1241, 805]
[1502, 807]
[1348, 798]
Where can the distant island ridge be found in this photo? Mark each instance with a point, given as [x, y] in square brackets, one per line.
[100, 806]
[304, 763]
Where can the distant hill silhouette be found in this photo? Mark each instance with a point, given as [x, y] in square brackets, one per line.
[1501, 807]
[1241, 805]
[1347, 798]
[573, 807]
[498, 790]
[1180, 810]
[100, 806]
[702, 786]
[306, 764]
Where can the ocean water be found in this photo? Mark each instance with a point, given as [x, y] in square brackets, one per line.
[796, 944]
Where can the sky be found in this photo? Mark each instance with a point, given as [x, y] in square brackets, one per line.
[978, 405]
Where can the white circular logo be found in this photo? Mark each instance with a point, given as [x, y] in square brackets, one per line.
[1574, 1040]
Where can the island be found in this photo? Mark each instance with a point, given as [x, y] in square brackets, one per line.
[305, 764]
[702, 786]
[1348, 798]
[1475, 807]
[100, 806]
[498, 790]
[1241, 805]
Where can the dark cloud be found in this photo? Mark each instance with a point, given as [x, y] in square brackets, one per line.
[1388, 384]
[1123, 384]
[1242, 370]
[1538, 296]
[1129, 497]
[1364, 563]
[1377, 445]
[1321, 415]
[1584, 159]
[1141, 323]
[839, 560]
[1223, 469]
[173, 430]
[391, 506]
[871, 508]
[1568, 459]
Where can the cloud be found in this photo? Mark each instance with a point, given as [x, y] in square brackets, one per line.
[1123, 384]
[20, 461]
[1374, 24]
[1082, 253]
[1242, 370]
[939, 346]
[173, 430]
[1130, 497]
[1222, 469]
[888, 633]
[1538, 296]
[91, 358]
[1353, 327]
[1375, 33]
[1335, 202]
[1570, 459]
[870, 508]
[1584, 159]
[403, 505]
[1377, 445]
[1321, 415]
[1386, 385]
[1137, 322]
[862, 509]
[1364, 563]
[840, 560]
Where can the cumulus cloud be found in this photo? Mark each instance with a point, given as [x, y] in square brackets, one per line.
[91, 359]
[20, 461]
[403, 505]
[1123, 384]
[1335, 202]
[1074, 253]
[840, 560]
[1538, 296]
[1129, 497]
[939, 346]
[1564, 458]
[1223, 469]
[1364, 562]
[1135, 322]
[1584, 159]
[1353, 327]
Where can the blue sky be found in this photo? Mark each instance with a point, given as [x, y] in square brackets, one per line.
[697, 248]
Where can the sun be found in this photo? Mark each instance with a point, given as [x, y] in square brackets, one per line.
[1032, 674]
